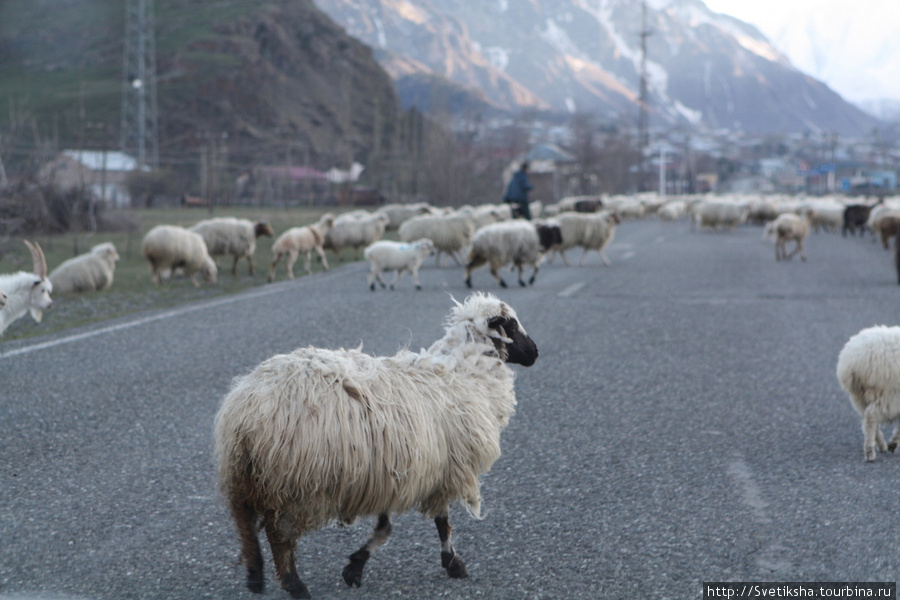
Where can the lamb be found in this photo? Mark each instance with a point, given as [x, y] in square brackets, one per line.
[301, 239]
[235, 237]
[449, 233]
[168, 247]
[87, 272]
[590, 231]
[399, 257]
[355, 230]
[515, 242]
[26, 292]
[867, 369]
[323, 435]
[790, 227]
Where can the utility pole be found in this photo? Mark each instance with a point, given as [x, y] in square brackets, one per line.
[139, 112]
[643, 136]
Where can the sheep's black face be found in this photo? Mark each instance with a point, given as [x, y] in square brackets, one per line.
[521, 350]
[549, 235]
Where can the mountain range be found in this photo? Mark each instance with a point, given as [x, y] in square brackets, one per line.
[703, 69]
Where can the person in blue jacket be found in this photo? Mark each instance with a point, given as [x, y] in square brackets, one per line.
[517, 192]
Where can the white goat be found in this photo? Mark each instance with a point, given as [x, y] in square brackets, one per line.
[399, 257]
[355, 230]
[26, 292]
[87, 272]
[449, 233]
[301, 239]
[167, 247]
[517, 242]
[235, 237]
[332, 435]
[868, 369]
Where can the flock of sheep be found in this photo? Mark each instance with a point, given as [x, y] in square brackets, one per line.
[320, 435]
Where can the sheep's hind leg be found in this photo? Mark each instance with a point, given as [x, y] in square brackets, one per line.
[247, 522]
[454, 565]
[872, 434]
[353, 570]
[285, 561]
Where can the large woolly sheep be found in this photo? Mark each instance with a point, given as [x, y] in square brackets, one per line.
[87, 272]
[301, 239]
[399, 257]
[235, 237]
[517, 243]
[590, 231]
[449, 233]
[26, 292]
[168, 247]
[868, 369]
[332, 435]
[355, 230]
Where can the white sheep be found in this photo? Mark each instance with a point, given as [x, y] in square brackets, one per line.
[672, 210]
[301, 239]
[868, 369]
[449, 233]
[517, 243]
[26, 292]
[399, 257]
[789, 227]
[235, 237]
[718, 214]
[87, 272]
[591, 231]
[398, 213]
[168, 247]
[332, 435]
[355, 230]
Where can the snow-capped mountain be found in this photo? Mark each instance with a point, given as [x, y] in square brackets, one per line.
[703, 68]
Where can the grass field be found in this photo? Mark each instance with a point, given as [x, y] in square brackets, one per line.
[133, 289]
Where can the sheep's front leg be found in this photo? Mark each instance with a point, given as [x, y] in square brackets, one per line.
[454, 565]
[285, 560]
[353, 570]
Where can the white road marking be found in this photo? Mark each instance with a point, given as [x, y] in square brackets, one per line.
[176, 312]
[572, 289]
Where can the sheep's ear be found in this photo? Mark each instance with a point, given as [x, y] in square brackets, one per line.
[496, 323]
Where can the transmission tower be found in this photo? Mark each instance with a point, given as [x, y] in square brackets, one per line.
[139, 112]
[643, 136]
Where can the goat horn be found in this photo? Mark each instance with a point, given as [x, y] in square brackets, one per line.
[37, 257]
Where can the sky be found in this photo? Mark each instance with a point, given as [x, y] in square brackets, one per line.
[852, 45]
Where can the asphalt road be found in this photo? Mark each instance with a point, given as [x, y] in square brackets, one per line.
[683, 424]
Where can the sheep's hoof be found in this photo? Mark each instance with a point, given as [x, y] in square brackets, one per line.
[392, 287]
[372, 287]
[418, 287]
[456, 568]
[469, 282]
[295, 587]
[892, 446]
[353, 570]
[502, 283]
[870, 454]
[255, 581]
